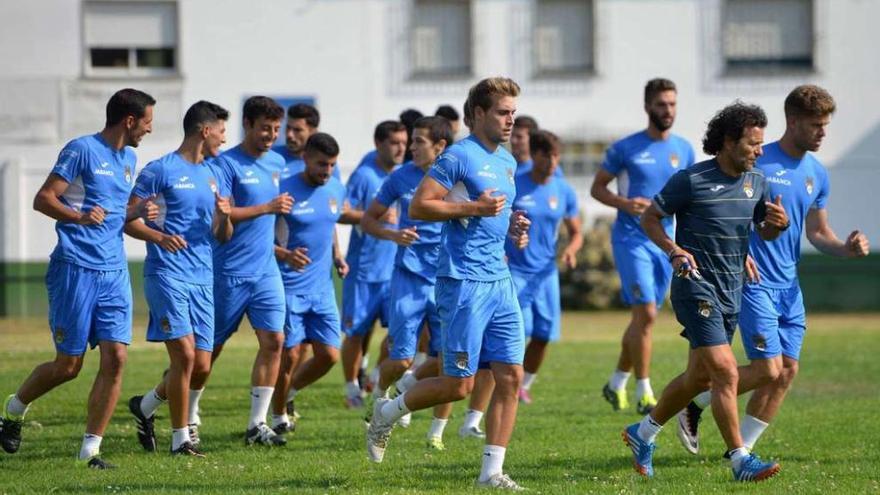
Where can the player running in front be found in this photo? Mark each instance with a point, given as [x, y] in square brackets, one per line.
[716, 203]
[178, 271]
[87, 279]
[547, 200]
[641, 163]
[773, 320]
[471, 188]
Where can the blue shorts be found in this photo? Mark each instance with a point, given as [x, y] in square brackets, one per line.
[645, 272]
[538, 295]
[262, 298]
[87, 306]
[481, 323]
[178, 309]
[412, 304]
[312, 318]
[704, 324]
[362, 304]
[772, 322]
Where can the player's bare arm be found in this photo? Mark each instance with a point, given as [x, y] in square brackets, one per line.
[222, 227]
[144, 208]
[653, 226]
[280, 205]
[372, 223]
[575, 241]
[600, 192]
[822, 236]
[48, 203]
[429, 204]
[338, 258]
[139, 230]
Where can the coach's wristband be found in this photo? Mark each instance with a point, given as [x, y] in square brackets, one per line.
[671, 252]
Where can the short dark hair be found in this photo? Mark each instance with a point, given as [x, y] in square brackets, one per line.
[438, 128]
[447, 112]
[526, 122]
[127, 102]
[656, 86]
[409, 117]
[809, 100]
[200, 114]
[306, 112]
[386, 128]
[730, 122]
[543, 141]
[261, 106]
[323, 143]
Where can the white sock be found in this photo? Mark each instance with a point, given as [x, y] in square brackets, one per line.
[751, 429]
[280, 419]
[472, 419]
[528, 379]
[179, 436]
[737, 456]
[407, 381]
[365, 362]
[374, 375]
[618, 380]
[648, 429]
[352, 388]
[261, 399]
[16, 408]
[493, 461]
[437, 427]
[380, 393]
[703, 399]
[91, 446]
[150, 403]
[194, 396]
[420, 359]
[643, 388]
[393, 410]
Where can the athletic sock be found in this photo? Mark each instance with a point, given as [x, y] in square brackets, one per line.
[528, 379]
[437, 427]
[280, 419]
[407, 381]
[648, 429]
[618, 380]
[150, 402]
[194, 396]
[352, 388]
[91, 446]
[751, 429]
[703, 399]
[493, 461]
[737, 456]
[643, 388]
[374, 375]
[393, 410]
[420, 359]
[365, 363]
[179, 436]
[16, 408]
[261, 399]
[472, 419]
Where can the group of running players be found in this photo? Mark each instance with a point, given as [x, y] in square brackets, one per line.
[453, 248]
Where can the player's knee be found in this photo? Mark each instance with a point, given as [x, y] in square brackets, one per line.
[66, 369]
[272, 342]
[788, 372]
[768, 370]
[460, 388]
[645, 315]
[327, 355]
[724, 376]
[509, 379]
[113, 361]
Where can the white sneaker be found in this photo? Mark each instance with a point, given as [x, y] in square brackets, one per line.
[501, 482]
[405, 420]
[378, 433]
[472, 432]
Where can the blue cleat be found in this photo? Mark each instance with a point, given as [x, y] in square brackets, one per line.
[643, 452]
[753, 468]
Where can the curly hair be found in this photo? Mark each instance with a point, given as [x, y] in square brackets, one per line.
[730, 122]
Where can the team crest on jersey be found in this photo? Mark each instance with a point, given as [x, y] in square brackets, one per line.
[128, 174]
[705, 309]
[334, 207]
[747, 187]
[809, 183]
[348, 322]
[636, 291]
[673, 160]
[461, 360]
[165, 324]
[59, 335]
[553, 201]
[276, 179]
[213, 184]
[759, 342]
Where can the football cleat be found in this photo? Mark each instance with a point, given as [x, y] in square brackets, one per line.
[646, 404]
[354, 402]
[10, 429]
[95, 462]
[292, 412]
[435, 443]
[284, 428]
[617, 398]
[263, 435]
[194, 438]
[754, 469]
[500, 482]
[378, 433]
[524, 396]
[688, 427]
[405, 420]
[146, 432]
[643, 452]
[472, 432]
[187, 449]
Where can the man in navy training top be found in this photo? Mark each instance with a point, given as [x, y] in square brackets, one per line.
[178, 271]
[641, 163]
[471, 188]
[87, 279]
[716, 203]
[773, 320]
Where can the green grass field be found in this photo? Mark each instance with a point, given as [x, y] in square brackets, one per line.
[568, 441]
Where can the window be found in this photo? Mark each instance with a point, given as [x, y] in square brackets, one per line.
[582, 158]
[130, 38]
[440, 38]
[563, 37]
[767, 35]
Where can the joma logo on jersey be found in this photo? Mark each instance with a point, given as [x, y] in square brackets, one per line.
[101, 171]
[486, 172]
[644, 158]
[809, 184]
[747, 187]
[184, 183]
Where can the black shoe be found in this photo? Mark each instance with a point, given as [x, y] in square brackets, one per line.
[362, 379]
[263, 435]
[187, 449]
[10, 434]
[284, 428]
[98, 463]
[145, 432]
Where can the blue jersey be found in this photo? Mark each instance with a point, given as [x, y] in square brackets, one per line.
[310, 224]
[715, 213]
[474, 247]
[97, 175]
[185, 195]
[642, 166]
[251, 181]
[545, 205]
[803, 184]
[526, 167]
[295, 164]
[420, 257]
[369, 258]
